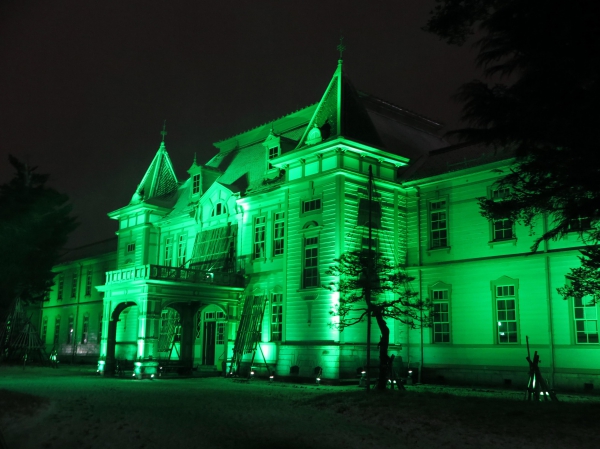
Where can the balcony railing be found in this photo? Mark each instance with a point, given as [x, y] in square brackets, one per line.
[176, 274]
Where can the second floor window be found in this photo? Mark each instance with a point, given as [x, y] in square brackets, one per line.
[259, 237]
[74, 281]
[60, 287]
[309, 206]
[88, 283]
[502, 228]
[278, 234]
[310, 272]
[168, 251]
[181, 251]
[438, 224]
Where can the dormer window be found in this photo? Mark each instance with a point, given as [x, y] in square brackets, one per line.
[273, 152]
[196, 184]
[219, 209]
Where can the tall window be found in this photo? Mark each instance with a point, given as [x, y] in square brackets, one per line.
[44, 331]
[74, 281]
[502, 228]
[585, 313]
[369, 213]
[70, 329]
[181, 251]
[168, 251]
[88, 282]
[310, 274]
[506, 314]
[278, 234]
[309, 206]
[57, 331]
[276, 316]
[273, 153]
[438, 224]
[85, 329]
[441, 316]
[196, 184]
[259, 237]
[61, 286]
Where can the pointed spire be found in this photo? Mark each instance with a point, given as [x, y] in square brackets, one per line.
[160, 178]
[163, 133]
[340, 113]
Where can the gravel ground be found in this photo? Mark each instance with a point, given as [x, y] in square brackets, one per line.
[71, 407]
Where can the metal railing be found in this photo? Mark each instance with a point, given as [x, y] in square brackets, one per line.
[176, 274]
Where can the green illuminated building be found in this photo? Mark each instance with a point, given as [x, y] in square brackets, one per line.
[270, 212]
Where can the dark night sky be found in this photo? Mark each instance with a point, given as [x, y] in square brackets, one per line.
[85, 85]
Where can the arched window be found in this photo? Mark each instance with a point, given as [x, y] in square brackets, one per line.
[219, 209]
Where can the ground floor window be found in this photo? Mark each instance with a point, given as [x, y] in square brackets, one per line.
[585, 313]
[441, 316]
[276, 316]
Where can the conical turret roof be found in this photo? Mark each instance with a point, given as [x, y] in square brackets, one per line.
[340, 113]
[159, 180]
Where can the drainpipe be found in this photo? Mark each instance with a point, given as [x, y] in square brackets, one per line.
[549, 302]
[77, 297]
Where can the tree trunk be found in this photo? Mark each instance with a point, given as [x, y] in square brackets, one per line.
[384, 344]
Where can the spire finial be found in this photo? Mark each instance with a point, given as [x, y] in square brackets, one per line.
[164, 130]
[341, 47]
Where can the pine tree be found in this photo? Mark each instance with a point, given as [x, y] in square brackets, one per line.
[35, 221]
[370, 285]
[545, 112]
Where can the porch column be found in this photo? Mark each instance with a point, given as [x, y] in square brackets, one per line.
[111, 340]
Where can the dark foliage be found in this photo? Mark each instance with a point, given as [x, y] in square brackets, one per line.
[546, 111]
[370, 284]
[35, 222]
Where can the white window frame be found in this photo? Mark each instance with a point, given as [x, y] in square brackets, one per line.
[585, 321]
[501, 229]
[276, 317]
[441, 329]
[279, 234]
[505, 294]
[196, 184]
[168, 251]
[438, 225]
[259, 237]
[310, 255]
[311, 206]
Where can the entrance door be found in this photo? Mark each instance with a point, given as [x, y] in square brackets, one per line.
[208, 346]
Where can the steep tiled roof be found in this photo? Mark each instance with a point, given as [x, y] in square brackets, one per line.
[87, 251]
[341, 113]
[453, 158]
[159, 180]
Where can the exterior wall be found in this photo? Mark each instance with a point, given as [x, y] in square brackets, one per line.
[469, 265]
[82, 302]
